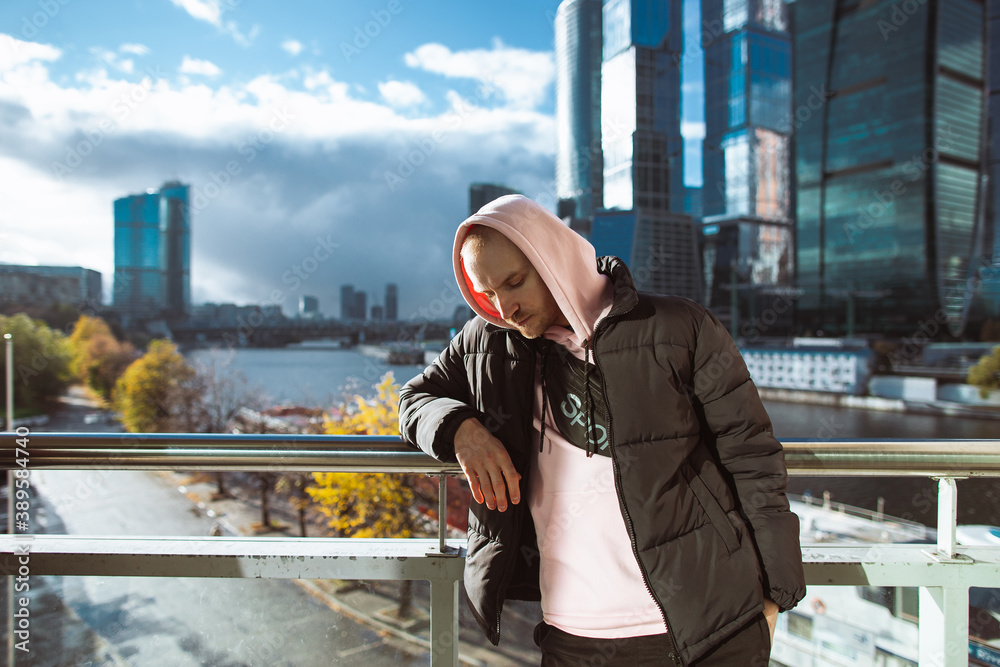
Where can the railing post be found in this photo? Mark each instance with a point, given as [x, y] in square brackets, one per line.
[944, 627]
[442, 512]
[947, 516]
[444, 623]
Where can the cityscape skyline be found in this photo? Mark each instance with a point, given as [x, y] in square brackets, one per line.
[351, 132]
[242, 201]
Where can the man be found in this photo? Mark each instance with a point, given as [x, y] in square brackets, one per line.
[655, 528]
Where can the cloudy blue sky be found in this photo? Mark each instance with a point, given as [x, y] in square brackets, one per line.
[344, 124]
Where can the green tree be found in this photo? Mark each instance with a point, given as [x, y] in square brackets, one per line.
[159, 392]
[986, 373]
[99, 358]
[41, 362]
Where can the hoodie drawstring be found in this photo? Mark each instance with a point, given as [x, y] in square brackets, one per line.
[545, 402]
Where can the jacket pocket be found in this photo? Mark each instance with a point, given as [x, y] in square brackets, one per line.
[716, 515]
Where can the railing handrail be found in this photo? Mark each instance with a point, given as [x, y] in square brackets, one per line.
[377, 453]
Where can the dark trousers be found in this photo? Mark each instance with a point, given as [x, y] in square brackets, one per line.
[749, 647]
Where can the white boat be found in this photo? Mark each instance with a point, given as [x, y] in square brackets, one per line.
[867, 626]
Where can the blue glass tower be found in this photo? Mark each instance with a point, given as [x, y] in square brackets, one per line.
[891, 164]
[645, 217]
[579, 167]
[747, 193]
[153, 253]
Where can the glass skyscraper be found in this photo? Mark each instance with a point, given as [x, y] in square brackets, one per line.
[890, 162]
[747, 191]
[579, 167]
[645, 219]
[153, 253]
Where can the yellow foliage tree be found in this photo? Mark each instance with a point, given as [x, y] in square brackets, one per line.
[99, 359]
[158, 392]
[366, 504]
[986, 373]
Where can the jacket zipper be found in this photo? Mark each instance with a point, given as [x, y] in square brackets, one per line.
[675, 655]
[508, 569]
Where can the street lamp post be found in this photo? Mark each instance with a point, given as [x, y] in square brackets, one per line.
[10, 496]
[10, 382]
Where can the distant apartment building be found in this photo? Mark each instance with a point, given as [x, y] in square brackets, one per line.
[42, 286]
[309, 307]
[481, 194]
[391, 302]
[890, 163]
[353, 303]
[153, 253]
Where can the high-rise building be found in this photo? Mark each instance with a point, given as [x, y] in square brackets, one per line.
[481, 194]
[890, 163]
[747, 193]
[308, 306]
[391, 302]
[378, 313]
[645, 216]
[153, 253]
[360, 305]
[579, 167]
[348, 302]
[49, 286]
[990, 302]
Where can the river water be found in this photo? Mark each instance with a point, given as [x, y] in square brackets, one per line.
[316, 377]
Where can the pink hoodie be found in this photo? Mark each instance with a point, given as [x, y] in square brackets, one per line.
[590, 581]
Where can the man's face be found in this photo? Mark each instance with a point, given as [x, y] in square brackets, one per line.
[501, 272]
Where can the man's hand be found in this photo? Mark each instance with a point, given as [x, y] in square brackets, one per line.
[771, 614]
[486, 465]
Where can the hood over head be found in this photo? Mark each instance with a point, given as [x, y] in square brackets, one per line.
[566, 261]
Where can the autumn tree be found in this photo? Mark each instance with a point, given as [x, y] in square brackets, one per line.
[159, 392]
[99, 358]
[41, 361]
[986, 373]
[368, 504]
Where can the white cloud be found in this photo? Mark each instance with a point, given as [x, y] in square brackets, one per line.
[293, 46]
[204, 67]
[135, 49]
[14, 52]
[521, 76]
[113, 60]
[401, 94]
[210, 11]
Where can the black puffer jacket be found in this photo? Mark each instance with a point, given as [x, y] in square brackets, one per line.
[699, 475]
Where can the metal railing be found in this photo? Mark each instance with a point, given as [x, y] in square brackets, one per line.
[944, 574]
